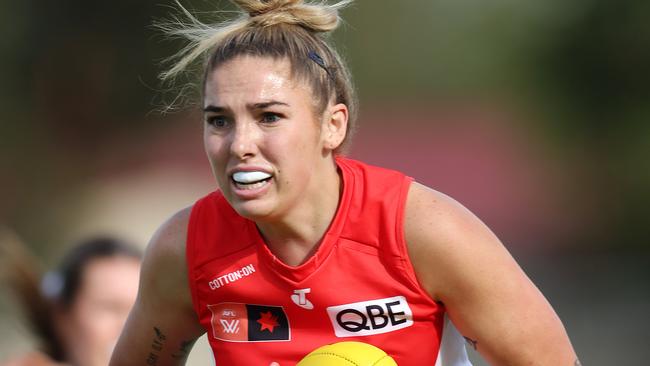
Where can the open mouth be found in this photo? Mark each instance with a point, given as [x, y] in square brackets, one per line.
[251, 180]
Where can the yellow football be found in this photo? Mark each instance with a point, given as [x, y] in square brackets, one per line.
[347, 354]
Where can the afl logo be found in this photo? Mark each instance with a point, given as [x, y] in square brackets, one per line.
[370, 317]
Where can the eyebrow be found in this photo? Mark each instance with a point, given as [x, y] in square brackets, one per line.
[267, 104]
[263, 105]
[213, 108]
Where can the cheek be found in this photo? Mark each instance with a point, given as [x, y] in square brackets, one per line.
[217, 152]
[297, 153]
[95, 332]
[216, 149]
[299, 141]
[98, 323]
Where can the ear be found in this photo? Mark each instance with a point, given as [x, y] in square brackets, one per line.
[335, 126]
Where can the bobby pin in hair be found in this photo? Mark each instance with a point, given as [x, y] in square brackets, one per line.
[319, 60]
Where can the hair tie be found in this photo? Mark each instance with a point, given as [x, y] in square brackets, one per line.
[52, 285]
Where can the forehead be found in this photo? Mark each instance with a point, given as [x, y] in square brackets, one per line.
[251, 78]
[111, 276]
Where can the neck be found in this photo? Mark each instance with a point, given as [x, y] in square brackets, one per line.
[295, 236]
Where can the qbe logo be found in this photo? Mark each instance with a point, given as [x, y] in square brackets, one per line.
[370, 317]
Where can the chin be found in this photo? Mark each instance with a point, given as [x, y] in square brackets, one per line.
[253, 210]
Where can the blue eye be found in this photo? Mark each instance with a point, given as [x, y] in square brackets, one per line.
[270, 117]
[217, 121]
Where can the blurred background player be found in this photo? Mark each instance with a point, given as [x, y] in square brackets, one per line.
[77, 310]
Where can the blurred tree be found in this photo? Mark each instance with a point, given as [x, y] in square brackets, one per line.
[80, 76]
[599, 72]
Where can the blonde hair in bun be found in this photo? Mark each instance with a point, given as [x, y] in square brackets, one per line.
[317, 18]
[279, 29]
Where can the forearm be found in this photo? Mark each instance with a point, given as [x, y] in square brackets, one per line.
[151, 345]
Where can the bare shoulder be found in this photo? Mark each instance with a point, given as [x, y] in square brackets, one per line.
[164, 264]
[461, 263]
[444, 237]
[162, 326]
[432, 213]
[170, 238]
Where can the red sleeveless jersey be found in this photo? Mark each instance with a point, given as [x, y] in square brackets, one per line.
[359, 285]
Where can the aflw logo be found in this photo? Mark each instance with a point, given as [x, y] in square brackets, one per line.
[230, 326]
[370, 317]
[229, 321]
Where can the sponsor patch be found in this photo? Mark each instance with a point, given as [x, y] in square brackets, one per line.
[231, 277]
[236, 322]
[299, 298]
[370, 317]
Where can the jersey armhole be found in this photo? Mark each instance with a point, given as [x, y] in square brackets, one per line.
[190, 255]
[409, 269]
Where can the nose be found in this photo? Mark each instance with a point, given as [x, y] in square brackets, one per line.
[244, 140]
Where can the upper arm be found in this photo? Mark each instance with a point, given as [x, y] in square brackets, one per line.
[162, 325]
[461, 263]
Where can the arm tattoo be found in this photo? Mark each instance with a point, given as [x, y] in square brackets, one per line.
[471, 342]
[184, 350]
[156, 347]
